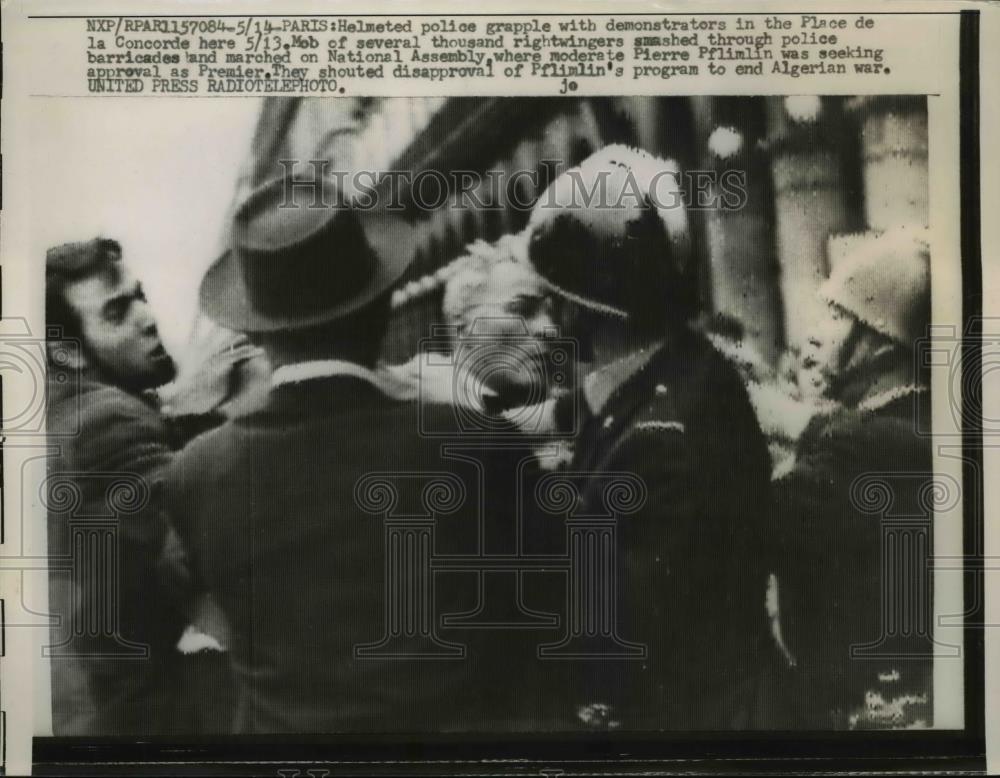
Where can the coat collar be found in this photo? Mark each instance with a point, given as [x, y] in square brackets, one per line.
[319, 386]
[883, 400]
[663, 364]
[600, 385]
[298, 372]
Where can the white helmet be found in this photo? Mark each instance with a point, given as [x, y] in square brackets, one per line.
[885, 283]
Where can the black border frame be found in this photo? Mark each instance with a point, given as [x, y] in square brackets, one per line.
[631, 753]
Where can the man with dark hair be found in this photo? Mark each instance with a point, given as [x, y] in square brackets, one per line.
[117, 619]
[662, 408]
[284, 507]
[93, 298]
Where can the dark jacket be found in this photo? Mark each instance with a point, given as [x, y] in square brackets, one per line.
[691, 577]
[276, 514]
[859, 474]
[118, 602]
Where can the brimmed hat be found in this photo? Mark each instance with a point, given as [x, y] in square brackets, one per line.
[612, 234]
[884, 282]
[298, 263]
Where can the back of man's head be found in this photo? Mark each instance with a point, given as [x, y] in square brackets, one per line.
[356, 337]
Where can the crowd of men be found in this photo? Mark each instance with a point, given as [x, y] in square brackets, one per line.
[252, 587]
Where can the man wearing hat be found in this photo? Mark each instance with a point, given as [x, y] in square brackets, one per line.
[831, 563]
[661, 404]
[274, 504]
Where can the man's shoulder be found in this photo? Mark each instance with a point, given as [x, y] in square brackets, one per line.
[843, 422]
[691, 405]
[694, 369]
[102, 404]
[111, 429]
[719, 373]
[93, 409]
[267, 421]
[682, 382]
[406, 421]
[215, 438]
[219, 444]
[658, 412]
[855, 436]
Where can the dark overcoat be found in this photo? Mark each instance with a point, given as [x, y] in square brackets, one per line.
[119, 603]
[286, 512]
[853, 562]
[691, 572]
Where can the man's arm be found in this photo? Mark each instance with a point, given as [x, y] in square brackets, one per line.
[121, 434]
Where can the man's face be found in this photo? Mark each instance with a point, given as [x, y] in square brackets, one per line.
[514, 300]
[119, 332]
[514, 314]
[838, 352]
[824, 353]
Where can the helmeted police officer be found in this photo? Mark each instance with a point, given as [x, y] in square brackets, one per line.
[835, 543]
[660, 405]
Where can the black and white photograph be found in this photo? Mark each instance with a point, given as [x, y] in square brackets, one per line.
[500, 415]
[574, 393]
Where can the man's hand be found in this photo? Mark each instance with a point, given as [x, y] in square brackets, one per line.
[206, 379]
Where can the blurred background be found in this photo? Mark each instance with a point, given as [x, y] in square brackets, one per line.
[161, 176]
[157, 175]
